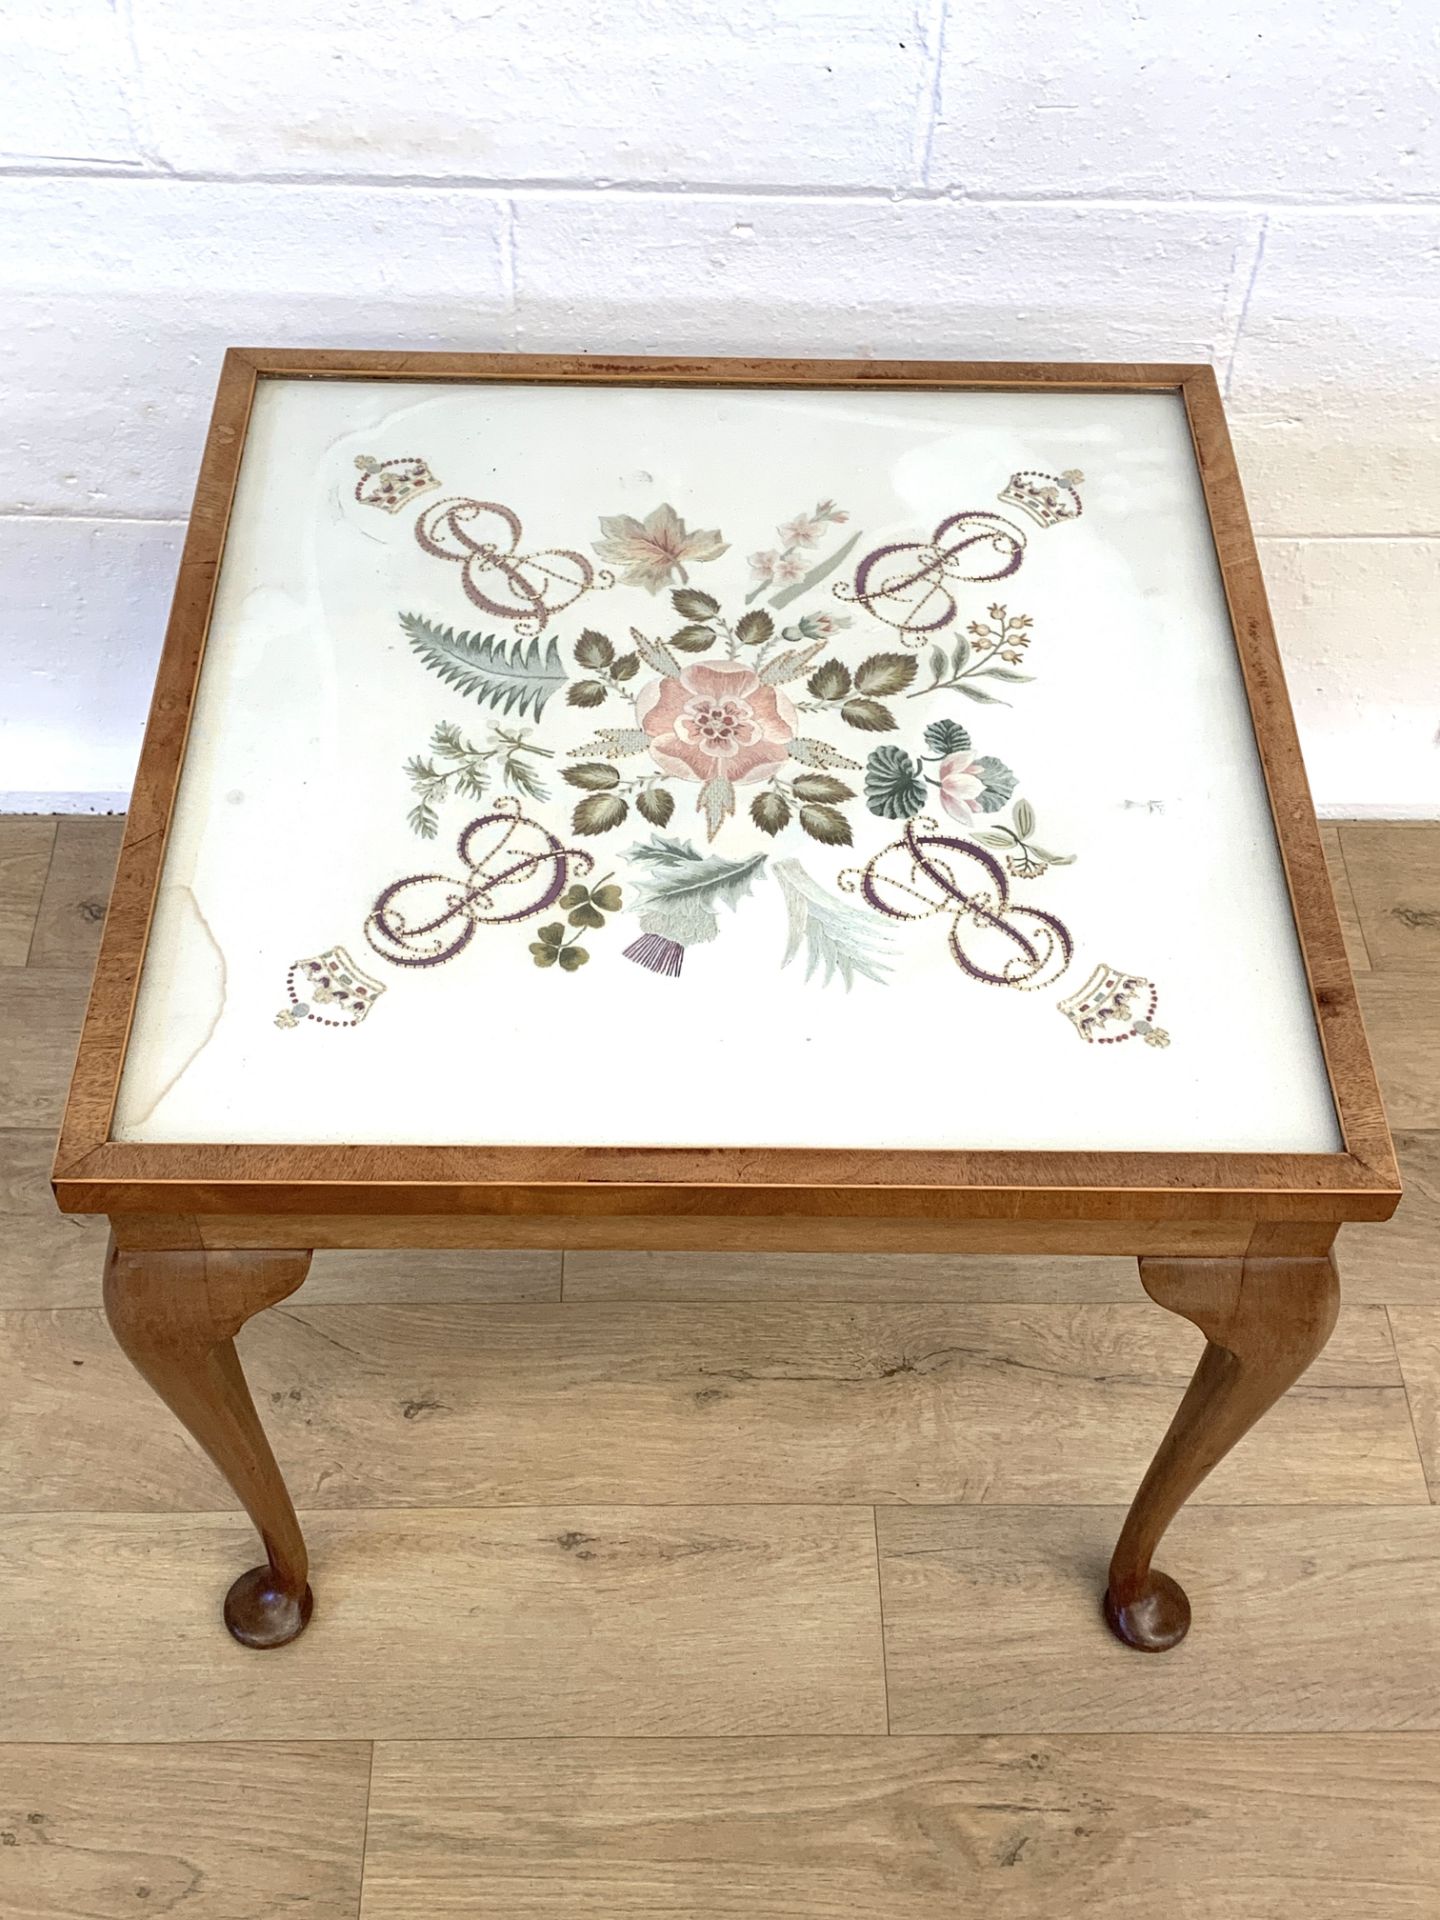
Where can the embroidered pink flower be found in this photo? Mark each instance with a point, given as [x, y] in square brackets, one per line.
[802, 531]
[971, 784]
[763, 565]
[716, 721]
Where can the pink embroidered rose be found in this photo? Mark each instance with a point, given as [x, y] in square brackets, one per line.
[717, 721]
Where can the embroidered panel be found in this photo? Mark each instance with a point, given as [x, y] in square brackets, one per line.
[722, 768]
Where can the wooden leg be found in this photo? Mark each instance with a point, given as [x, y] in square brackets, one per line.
[1265, 1321]
[175, 1315]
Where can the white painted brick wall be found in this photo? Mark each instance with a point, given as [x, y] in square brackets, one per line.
[1253, 182]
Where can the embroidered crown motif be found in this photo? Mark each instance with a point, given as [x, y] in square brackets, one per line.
[1104, 1011]
[1048, 498]
[391, 484]
[329, 988]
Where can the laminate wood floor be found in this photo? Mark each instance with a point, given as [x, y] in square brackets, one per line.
[703, 1585]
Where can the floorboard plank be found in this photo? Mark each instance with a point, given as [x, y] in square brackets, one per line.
[77, 892]
[1012, 1828]
[1393, 867]
[25, 846]
[40, 1013]
[519, 1622]
[877, 1278]
[479, 1406]
[1398, 1260]
[47, 1258]
[258, 1832]
[1402, 1020]
[1306, 1620]
[1417, 1341]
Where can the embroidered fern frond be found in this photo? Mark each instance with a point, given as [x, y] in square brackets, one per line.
[837, 938]
[517, 677]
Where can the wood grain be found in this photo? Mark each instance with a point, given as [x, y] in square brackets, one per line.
[1330, 1828]
[24, 860]
[1417, 1342]
[1399, 1261]
[1307, 1620]
[450, 1625]
[1394, 872]
[225, 1832]
[47, 1258]
[40, 1012]
[1402, 1016]
[877, 1278]
[1356, 951]
[77, 891]
[649, 1404]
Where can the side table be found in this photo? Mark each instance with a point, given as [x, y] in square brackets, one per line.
[737, 805]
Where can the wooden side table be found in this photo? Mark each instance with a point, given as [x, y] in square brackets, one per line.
[721, 804]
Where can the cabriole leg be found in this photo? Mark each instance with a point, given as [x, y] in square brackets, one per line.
[1265, 1320]
[175, 1314]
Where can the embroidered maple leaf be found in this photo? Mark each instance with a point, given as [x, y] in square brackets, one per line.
[651, 552]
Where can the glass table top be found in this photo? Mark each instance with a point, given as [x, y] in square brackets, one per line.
[697, 767]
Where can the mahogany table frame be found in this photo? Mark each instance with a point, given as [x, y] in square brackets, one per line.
[203, 1236]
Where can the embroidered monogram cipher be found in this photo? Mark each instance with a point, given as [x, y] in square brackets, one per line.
[927, 873]
[514, 869]
[735, 725]
[528, 589]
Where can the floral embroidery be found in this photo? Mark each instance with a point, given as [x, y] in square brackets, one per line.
[787, 566]
[713, 707]
[652, 552]
[392, 484]
[332, 981]
[528, 589]
[1106, 1001]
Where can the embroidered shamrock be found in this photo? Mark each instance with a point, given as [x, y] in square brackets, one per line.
[585, 907]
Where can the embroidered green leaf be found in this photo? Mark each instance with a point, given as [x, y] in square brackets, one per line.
[571, 958]
[827, 824]
[1007, 673]
[868, 715]
[885, 673]
[1057, 859]
[962, 655]
[424, 820]
[819, 753]
[607, 899]
[830, 681]
[626, 667]
[817, 573]
[999, 782]
[552, 935]
[789, 666]
[593, 649]
[770, 811]
[821, 786]
[894, 784]
[599, 812]
[1024, 819]
[716, 802]
[691, 604]
[517, 773]
[972, 692]
[996, 839]
[661, 851]
[518, 677]
[945, 736]
[679, 900]
[939, 663]
[586, 693]
[693, 639]
[655, 805]
[837, 938]
[595, 776]
[754, 629]
[616, 742]
[655, 654]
